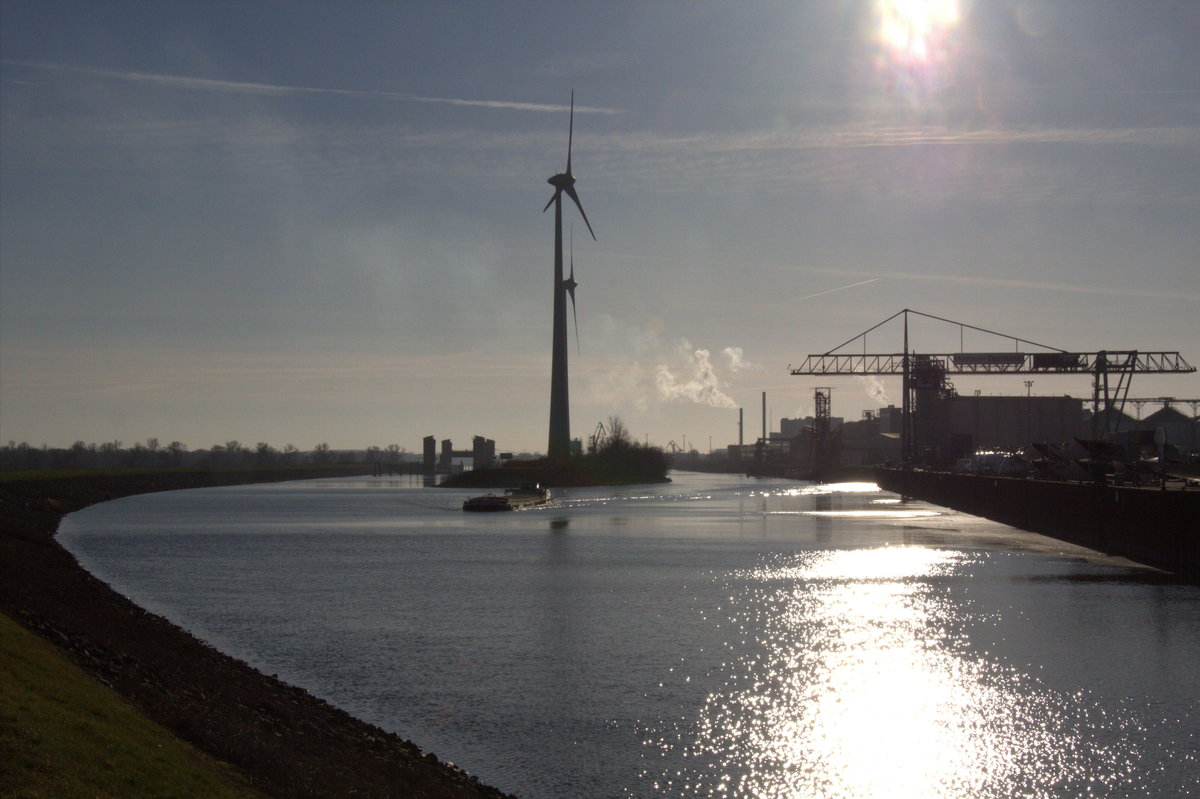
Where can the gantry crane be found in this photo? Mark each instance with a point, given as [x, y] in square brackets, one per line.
[597, 439]
[925, 375]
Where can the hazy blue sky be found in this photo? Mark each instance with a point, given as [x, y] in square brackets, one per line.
[300, 222]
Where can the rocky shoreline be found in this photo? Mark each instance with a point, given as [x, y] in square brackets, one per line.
[286, 742]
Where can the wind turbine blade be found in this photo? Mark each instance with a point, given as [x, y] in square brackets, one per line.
[571, 284]
[570, 190]
[550, 202]
[575, 316]
[570, 131]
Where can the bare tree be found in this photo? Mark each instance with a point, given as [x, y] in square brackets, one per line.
[618, 433]
[264, 454]
[174, 453]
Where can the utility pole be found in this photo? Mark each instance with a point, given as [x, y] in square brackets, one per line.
[1029, 409]
[764, 415]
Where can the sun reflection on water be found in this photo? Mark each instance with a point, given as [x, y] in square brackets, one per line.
[852, 676]
[829, 488]
[873, 514]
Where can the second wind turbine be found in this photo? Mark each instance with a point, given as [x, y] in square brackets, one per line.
[559, 445]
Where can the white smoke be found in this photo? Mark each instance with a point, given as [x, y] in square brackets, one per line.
[874, 389]
[693, 381]
[644, 368]
[737, 360]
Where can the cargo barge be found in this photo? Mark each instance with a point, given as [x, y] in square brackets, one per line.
[511, 499]
[1151, 526]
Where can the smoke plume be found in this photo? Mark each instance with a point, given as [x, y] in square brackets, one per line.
[694, 381]
[737, 360]
[874, 389]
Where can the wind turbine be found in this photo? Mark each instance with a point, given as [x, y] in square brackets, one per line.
[559, 445]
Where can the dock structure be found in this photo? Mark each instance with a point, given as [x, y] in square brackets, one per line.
[925, 376]
[1149, 525]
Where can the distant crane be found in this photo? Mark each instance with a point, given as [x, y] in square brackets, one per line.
[598, 438]
[924, 376]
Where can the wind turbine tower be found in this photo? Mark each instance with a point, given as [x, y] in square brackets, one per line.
[559, 445]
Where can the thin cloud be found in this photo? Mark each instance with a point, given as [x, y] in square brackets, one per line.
[1001, 282]
[243, 87]
[830, 291]
[997, 165]
[1070, 288]
[860, 136]
[993, 166]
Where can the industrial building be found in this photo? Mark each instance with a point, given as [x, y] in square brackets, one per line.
[951, 428]
[481, 454]
[956, 426]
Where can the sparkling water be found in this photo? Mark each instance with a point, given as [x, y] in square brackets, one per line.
[717, 636]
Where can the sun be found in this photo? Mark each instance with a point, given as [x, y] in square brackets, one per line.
[913, 30]
[918, 44]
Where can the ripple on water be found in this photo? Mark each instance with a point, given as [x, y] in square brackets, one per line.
[850, 676]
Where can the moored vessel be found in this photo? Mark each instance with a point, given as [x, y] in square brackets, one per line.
[512, 499]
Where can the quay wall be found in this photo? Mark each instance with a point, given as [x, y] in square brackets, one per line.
[1147, 525]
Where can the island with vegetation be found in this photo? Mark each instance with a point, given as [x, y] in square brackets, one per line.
[614, 460]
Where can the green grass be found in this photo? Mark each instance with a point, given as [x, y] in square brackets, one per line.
[64, 734]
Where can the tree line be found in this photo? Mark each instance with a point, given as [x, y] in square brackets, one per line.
[153, 454]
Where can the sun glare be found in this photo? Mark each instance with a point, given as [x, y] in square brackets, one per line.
[917, 44]
[857, 682]
[915, 28]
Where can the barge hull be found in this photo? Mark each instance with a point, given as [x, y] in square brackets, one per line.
[1153, 527]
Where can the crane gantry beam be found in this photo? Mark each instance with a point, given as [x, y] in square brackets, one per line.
[924, 371]
[1019, 363]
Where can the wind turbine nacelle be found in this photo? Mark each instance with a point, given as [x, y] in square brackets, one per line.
[561, 181]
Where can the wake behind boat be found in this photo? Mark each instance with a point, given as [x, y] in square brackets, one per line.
[511, 499]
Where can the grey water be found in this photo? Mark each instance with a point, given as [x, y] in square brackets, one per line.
[715, 636]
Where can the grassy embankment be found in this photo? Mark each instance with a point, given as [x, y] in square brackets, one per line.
[65, 734]
[57, 739]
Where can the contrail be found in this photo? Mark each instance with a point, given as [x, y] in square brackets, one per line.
[981, 280]
[242, 87]
[830, 291]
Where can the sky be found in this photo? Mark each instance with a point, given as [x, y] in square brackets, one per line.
[307, 222]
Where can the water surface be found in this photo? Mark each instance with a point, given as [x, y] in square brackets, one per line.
[718, 636]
